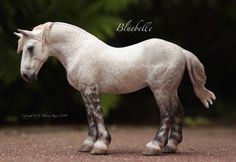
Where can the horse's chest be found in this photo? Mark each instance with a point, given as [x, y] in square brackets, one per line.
[81, 75]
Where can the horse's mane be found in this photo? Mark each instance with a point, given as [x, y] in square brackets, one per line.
[45, 27]
[68, 25]
[21, 42]
[76, 28]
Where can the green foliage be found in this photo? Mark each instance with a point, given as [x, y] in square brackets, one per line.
[205, 27]
[11, 119]
[109, 102]
[198, 121]
[98, 17]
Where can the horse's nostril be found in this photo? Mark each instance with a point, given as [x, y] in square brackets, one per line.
[29, 77]
[25, 76]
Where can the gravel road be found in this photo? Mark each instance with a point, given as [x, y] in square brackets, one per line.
[61, 143]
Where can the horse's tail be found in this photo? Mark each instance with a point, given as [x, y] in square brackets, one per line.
[198, 78]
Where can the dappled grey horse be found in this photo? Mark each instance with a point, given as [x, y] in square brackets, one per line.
[93, 67]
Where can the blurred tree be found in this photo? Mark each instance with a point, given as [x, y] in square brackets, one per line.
[99, 17]
[205, 27]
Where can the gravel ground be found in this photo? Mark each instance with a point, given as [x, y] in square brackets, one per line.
[61, 143]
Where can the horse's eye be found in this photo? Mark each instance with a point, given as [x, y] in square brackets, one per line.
[30, 49]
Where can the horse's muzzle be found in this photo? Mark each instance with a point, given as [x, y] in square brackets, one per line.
[29, 77]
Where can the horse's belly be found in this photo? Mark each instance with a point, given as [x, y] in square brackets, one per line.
[121, 84]
[121, 89]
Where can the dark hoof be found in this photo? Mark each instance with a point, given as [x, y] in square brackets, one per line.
[151, 152]
[98, 151]
[86, 148]
[168, 149]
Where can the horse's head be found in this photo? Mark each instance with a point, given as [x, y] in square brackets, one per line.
[35, 52]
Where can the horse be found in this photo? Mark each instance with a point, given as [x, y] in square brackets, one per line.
[93, 67]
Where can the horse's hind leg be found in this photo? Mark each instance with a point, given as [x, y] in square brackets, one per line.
[171, 112]
[165, 101]
[175, 135]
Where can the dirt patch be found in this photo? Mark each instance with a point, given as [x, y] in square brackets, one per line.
[61, 143]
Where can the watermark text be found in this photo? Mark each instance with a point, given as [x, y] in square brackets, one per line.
[140, 26]
[44, 115]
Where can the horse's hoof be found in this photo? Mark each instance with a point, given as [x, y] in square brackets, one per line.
[168, 149]
[86, 148]
[151, 152]
[98, 151]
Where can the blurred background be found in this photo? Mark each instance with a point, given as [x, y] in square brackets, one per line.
[205, 27]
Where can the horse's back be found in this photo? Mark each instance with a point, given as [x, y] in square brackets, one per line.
[127, 69]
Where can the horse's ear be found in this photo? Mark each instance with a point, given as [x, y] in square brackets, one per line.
[25, 33]
[19, 35]
[20, 41]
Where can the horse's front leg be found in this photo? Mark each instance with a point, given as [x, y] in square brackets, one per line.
[91, 98]
[92, 128]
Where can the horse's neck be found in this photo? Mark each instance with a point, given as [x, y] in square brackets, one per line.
[65, 42]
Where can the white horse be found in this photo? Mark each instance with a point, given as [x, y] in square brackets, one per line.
[94, 67]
